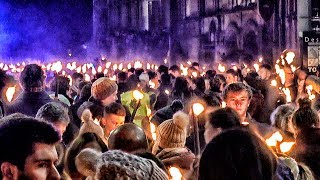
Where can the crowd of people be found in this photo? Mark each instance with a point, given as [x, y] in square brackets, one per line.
[101, 130]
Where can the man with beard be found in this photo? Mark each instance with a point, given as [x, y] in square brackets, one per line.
[28, 149]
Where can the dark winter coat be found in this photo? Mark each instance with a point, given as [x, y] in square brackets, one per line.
[28, 103]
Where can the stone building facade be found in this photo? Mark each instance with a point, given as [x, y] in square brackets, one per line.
[201, 30]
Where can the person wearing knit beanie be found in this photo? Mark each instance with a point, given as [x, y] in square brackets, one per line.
[172, 133]
[89, 125]
[169, 146]
[115, 164]
[104, 90]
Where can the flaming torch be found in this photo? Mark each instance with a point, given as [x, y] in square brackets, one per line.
[197, 109]
[175, 173]
[137, 95]
[221, 68]
[10, 92]
[286, 146]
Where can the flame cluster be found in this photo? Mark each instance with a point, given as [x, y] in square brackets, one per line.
[277, 139]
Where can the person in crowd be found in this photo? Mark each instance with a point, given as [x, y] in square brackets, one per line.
[238, 154]
[196, 65]
[290, 82]
[257, 100]
[164, 90]
[162, 69]
[170, 144]
[200, 86]
[175, 71]
[85, 94]
[122, 78]
[86, 140]
[265, 72]
[299, 170]
[306, 125]
[113, 116]
[33, 95]
[144, 85]
[181, 89]
[63, 88]
[28, 149]
[77, 78]
[154, 78]
[220, 120]
[57, 115]
[218, 83]
[238, 96]
[166, 112]
[281, 118]
[115, 164]
[301, 82]
[129, 138]
[270, 93]
[232, 76]
[103, 93]
[128, 100]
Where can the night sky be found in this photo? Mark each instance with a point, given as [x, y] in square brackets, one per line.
[44, 29]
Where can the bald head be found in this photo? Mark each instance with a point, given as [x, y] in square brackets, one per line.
[129, 138]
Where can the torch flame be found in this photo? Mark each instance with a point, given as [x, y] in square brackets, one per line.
[286, 146]
[152, 84]
[221, 68]
[194, 74]
[256, 67]
[10, 92]
[197, 108]
[108, 64]
[167, 91]
[273, 83]
[293, 68]
[115, 66]
[99, 69]
[84, 68]
[153, 131]
[290, 57]
[309, 91]
[223, 104]
[286, 91]
[276, 137]
[175, 173]
[57, 66]
[120, 67]
[137, 95]
[282, 76]
[87, 77]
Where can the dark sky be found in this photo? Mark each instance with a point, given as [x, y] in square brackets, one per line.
[44, 29]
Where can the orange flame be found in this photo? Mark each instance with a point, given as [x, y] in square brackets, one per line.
[286, 146]
[10, 92]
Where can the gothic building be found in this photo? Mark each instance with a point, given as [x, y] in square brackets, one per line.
[200, 30]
